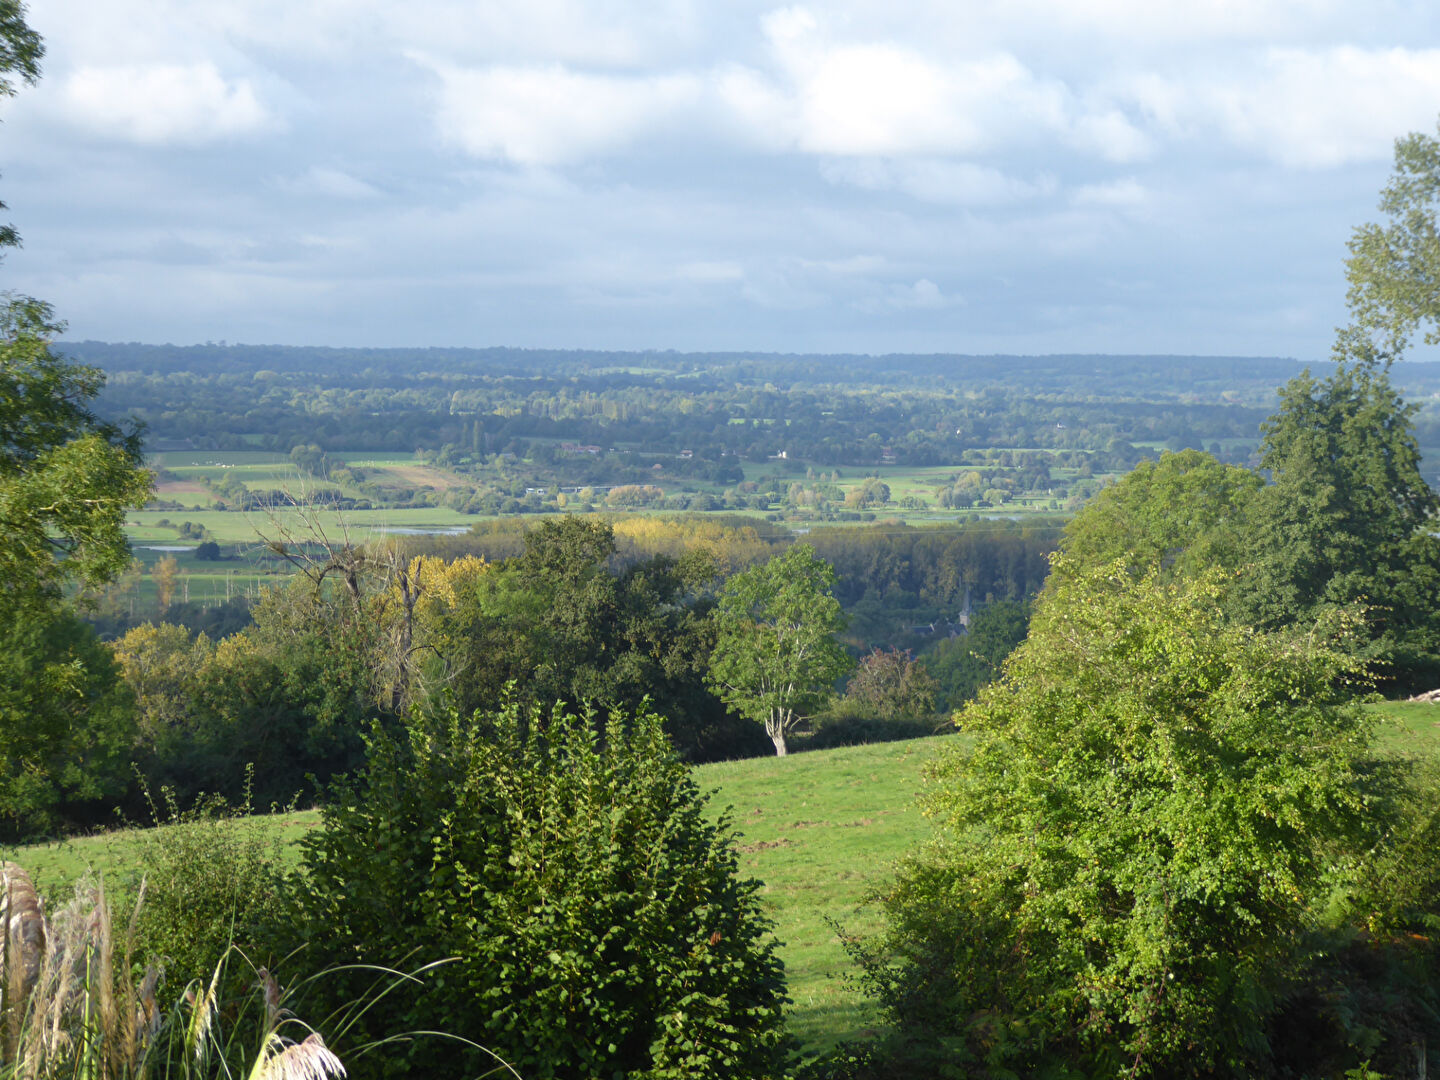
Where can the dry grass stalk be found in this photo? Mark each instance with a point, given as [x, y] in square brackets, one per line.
[23, 949]
[307, 1060]
[80, 1016]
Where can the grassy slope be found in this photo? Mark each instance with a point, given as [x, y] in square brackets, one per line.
[820, 830]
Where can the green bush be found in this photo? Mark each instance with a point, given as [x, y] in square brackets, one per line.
[597, 918]
[1148, 813]
[213, 879]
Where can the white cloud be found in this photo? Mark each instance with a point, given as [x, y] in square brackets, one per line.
[1303, 108]
[162, 103]
[551, 115]
[923, 295]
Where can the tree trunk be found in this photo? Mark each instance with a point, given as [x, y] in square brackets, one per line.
[775, 728]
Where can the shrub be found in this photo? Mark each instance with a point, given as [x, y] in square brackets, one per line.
[213, 880]
[597, 917]
[1132, 840]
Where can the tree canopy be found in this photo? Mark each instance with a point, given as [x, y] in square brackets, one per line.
[1394, 269]
[1347, 518]
[1128, 841]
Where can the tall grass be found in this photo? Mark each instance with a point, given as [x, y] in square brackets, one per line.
[72, 1007]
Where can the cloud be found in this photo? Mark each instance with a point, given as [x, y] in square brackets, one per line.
[551, 115]
[1315, 108]
[884, 98]
[924, 295]
[162, 103]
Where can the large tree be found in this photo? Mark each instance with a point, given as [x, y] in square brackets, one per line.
[66, 481]
[20, 53]
[776, 657]
[1347, 519]
[1177, 515]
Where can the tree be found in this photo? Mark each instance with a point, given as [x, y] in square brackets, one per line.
[1348, 519]
[595, 911]
[1180, 514]
[1130, 841]
[20, 52]
[66, 477]
[962, 665]
[775, 656]
[1394, 270]
[890, 685]
[166, 573]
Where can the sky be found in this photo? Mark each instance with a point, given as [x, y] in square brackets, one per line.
[969, 176]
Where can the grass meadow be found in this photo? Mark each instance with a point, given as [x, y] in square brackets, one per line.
[819, 830]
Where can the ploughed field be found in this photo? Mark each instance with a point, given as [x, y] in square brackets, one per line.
[819, 830]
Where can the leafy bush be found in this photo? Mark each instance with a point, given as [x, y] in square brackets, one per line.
[1150, 808]
[213, 880]
[597, 917]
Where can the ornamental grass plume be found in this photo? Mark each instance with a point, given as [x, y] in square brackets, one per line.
[309, 1059]
[68, 1007]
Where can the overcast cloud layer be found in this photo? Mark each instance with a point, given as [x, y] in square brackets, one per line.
[855, 175]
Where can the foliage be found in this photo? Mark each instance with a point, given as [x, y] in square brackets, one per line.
[212, 877]
[1181, 514]
[291, 695]
[66, 478]
[1128, 848]
[600, 925]
[75, 1003]
[564, 622]
[964, 664]
[66, 481]
[890, 685]
[1393, 269]
[66, 724]
[846, 729]
[1348, 520]
[775, 654]
[20, 52]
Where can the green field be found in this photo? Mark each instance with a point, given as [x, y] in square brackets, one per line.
[820, 830]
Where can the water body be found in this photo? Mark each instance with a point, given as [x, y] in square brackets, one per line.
[408, 530]
[167, 547]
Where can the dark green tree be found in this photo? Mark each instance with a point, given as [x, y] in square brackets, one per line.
[563, 622]
[776, 658]
[1347, 519]
[67, 724]
[66, 482]
[962, 665]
